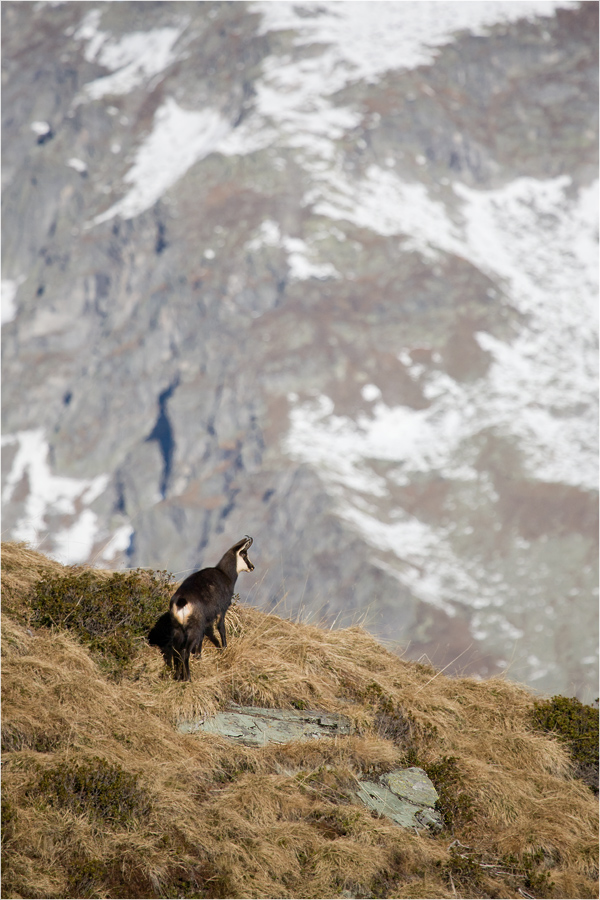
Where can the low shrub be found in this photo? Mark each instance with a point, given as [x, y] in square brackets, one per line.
[394, 722]
[530, 868]
[96, 788]
[463, 870]
[15, 738]
[577, 725]
[108, 613]
[85, 875]
[454, 804]
[473, 873]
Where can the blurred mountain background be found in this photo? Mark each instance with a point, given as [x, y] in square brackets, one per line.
[323, 273]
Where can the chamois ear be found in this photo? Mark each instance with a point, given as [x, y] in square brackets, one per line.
[244, 544]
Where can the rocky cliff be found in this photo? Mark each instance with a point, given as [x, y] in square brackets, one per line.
[324, 274]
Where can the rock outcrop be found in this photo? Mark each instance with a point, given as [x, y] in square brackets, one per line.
[406, 796]
[256, 726]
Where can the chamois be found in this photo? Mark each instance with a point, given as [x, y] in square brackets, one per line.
[198, 604]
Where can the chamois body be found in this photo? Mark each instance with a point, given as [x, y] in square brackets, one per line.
[197, 606]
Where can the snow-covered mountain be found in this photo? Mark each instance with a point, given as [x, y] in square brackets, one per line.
[324, 273]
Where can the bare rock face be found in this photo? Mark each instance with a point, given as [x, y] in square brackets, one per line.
[324, 276]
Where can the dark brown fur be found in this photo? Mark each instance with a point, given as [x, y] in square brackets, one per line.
[206, 596]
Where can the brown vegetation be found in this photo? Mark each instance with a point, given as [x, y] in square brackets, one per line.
[102, 797]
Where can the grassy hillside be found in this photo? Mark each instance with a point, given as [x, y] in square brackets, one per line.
[102, 797]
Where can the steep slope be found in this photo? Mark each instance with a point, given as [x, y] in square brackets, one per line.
[102, 796]
[324, 274]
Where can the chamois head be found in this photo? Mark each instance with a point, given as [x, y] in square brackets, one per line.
[242, 561]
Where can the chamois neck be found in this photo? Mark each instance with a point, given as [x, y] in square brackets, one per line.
[227, 564]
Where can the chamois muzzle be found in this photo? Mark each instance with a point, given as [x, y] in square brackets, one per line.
[244, 552]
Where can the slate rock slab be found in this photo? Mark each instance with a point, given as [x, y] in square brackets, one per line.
[407, 796]
[256, 726]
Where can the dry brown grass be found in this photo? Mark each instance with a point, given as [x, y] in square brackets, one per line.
[280, 821]
[21, 568]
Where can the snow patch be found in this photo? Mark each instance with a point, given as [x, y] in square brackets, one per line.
[300, 256]
[40, 128]
[89, 32]
[350, 42]
[542, 243]
[52, 494]
[118, 543]
[388, 206]
[132, 59]
[301, 268]
[77, 164]
[73, 545]
[539, 244]
[8, 295]
[370, 393]
[179, 139]
[366, 39]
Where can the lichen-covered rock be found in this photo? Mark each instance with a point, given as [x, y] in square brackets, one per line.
[256, 726]
[407, 796]
[412, 785]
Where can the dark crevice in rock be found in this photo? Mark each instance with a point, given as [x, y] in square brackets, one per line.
[162, 433]
[130, 551]
[161, 243]
[44, 138]
[120, 505]
[206, 532]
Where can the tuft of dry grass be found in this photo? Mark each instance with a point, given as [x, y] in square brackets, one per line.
[22, 567]
[222, 820]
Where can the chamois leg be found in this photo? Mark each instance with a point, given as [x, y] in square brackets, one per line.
[180, 669]
[167, 653]
[210, 634]
[196, 636]
[181, 655]
[186, 665]
[222, 631]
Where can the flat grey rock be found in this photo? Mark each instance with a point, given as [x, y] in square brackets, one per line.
[256, 726]
[406, 796]
[412, 785]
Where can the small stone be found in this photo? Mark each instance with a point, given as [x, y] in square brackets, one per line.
[406, 796]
